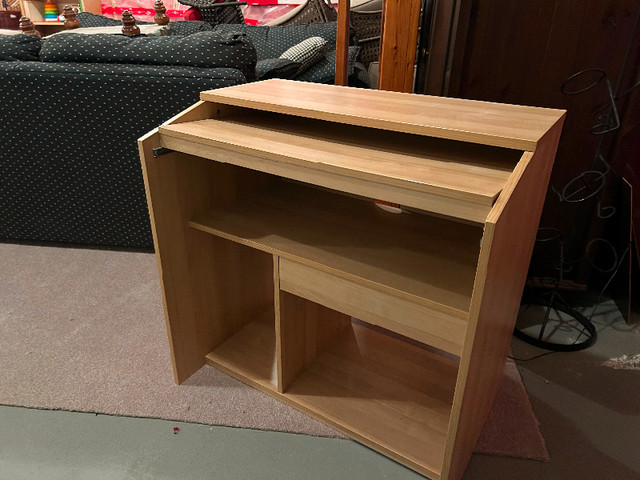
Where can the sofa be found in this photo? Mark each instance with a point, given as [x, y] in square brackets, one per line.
[74, 105]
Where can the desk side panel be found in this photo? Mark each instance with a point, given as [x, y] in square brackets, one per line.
[505, 254]
[201, 275]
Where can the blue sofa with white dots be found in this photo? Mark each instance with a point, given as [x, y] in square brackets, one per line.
[74, 105]
[69, 122]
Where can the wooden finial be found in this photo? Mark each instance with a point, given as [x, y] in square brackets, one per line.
[70, 20]
[27, 26]
[130, 27]
[161, 17]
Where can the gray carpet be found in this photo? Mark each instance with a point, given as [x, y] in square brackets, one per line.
[83, 330]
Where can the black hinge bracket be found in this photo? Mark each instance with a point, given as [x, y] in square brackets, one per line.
[158, 151]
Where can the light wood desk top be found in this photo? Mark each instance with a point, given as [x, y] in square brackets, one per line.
[510, 126]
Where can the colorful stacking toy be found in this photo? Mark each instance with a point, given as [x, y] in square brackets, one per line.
[50, 11]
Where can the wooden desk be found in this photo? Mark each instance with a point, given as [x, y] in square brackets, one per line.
[269, 241]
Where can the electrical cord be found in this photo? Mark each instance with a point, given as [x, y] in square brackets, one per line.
[535, 357]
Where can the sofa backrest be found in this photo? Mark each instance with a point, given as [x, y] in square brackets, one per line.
[19, 47]
[203, 49]
[271, 42]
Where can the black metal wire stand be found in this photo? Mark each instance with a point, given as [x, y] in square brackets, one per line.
[587, 186]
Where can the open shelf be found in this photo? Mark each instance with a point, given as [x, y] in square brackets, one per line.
[374, 387]
[250, 353]
[424, 258]
[368, 383]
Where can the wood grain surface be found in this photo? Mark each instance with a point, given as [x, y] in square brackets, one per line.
[510, 126]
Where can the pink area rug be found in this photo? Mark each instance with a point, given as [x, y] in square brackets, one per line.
[83, 330]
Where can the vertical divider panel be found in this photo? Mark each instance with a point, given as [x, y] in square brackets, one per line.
[303, 328]
[278, 325]
[294, 350]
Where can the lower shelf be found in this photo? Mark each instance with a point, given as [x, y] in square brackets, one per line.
[389, 394]
[250, 354]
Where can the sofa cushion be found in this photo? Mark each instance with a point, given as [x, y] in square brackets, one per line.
[92, 20]
[187, 28]
[19, 47]
[64, 74]
[271, 42]
[276, 68]
[307, 53]
[325, 70]
[203, 49]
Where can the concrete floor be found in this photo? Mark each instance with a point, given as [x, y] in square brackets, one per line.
[589, 415]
